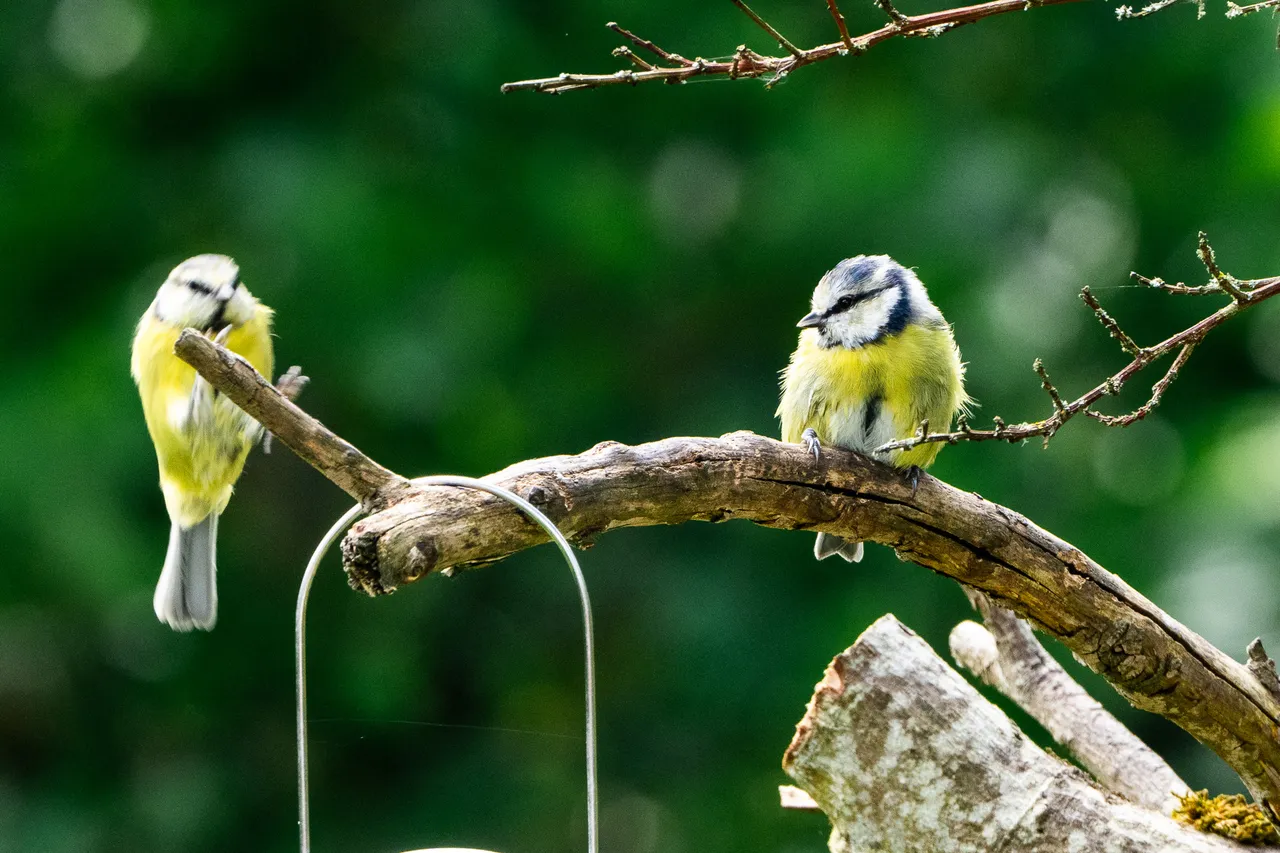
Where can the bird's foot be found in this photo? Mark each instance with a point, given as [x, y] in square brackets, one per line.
[809, 438]
[913, 477]
[290, 385]
[200, 402]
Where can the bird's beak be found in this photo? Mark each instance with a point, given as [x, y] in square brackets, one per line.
[812, 320]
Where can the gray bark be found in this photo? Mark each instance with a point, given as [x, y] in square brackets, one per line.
[904, 755]
[1006, 655]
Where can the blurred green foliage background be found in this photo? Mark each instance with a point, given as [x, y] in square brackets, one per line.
[473, 279]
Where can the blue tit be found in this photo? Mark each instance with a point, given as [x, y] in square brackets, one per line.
[201, 437]
[875, 359]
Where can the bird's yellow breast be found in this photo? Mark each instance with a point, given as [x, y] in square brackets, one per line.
[200, 453]
[837, 391]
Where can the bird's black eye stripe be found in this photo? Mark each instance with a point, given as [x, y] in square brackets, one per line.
[199, 286]
[844, 303]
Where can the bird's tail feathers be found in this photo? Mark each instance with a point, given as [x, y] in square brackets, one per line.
[828, 544]
[187, 594]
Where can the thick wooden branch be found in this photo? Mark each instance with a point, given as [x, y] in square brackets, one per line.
[1006, 654]
[1151, 659]
[1155, 662]
[903, 754]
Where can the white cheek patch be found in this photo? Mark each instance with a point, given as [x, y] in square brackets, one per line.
[182, 306]
[240, 309]
[865, 321]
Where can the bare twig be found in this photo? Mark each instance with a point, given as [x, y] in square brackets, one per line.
[1244, 294]
[645, 44]
[1125, 13]
[751, 64]
[769, 28]
[841, 26]
[1235, 11]
[1224, 281]
[631, 55]
[344, 465]
[1108, 322]
[1157, 394]
[1180, 288]
[899, 20]
[1048, 386]
[1006, 654]
[1209, 289]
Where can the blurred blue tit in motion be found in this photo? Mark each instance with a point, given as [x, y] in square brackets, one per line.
[201, 437]
[875, 359]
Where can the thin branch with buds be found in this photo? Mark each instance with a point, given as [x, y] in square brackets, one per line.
[1125, 13]
[1234, 11]
[1243, 294]
[747, 63]
[898, 19]
[744, 62]
[841, 26]
[768, 28]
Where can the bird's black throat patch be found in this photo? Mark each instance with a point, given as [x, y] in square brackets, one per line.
[871, 414]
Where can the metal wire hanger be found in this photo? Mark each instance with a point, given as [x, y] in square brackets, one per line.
[300, 649]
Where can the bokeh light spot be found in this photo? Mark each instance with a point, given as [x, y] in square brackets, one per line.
[1225, 588]
[694, 192]
[1264, 342]
[1141, 464]
[1244, 467]
[1036, 288]
[97, 38]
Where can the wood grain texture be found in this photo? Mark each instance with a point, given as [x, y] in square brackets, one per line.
[901, 753]
[1155, 662]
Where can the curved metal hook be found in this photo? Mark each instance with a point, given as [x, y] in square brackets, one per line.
[593, 797]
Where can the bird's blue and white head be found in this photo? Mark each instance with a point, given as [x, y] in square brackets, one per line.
[205, 293]
[867, 299]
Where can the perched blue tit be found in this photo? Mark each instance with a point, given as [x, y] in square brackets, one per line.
[201, 437]
[875, 359]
